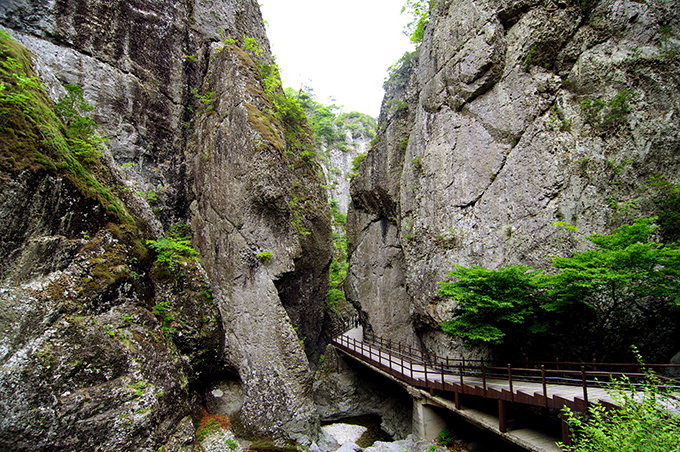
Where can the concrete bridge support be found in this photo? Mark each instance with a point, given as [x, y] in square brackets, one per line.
[427, 423]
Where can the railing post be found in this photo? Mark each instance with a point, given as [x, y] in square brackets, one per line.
[545, 386]
[460, 372]
[512, 393]
[484, 377]
[557, 365]
[585, 386]
[442, 368]
[566, 437]
[425, 370]
[389, 361]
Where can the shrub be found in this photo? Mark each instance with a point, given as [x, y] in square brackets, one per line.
[162, 310]
[265, 257]
[252, 45]
[356, 165]
[420, 12]
[399, 72]
[76, 114]
[175, 248]
[648, 420]
[417, 163]
[445, 438]
[603, 115]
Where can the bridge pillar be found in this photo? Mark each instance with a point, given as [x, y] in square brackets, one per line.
[427, 423]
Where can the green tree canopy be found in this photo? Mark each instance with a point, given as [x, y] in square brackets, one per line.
[626, 269]
[490, 302]
[618, 293]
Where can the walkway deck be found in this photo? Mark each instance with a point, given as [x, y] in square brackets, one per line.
[549, 388]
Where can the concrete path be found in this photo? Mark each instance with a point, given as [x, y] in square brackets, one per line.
[416, 375]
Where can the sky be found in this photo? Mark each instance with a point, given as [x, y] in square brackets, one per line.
[340, 48]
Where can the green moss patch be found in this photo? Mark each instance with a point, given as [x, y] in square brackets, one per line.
[34, 136]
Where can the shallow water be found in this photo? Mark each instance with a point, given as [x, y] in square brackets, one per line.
[372, 423]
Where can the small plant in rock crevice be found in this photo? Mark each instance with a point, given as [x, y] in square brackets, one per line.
[174, 249]
[162, 310]
[606, 115]
[417, 163]
[265, 257]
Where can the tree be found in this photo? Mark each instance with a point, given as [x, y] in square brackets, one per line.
[624, 291]
[626, 270]
[491, 302]
[420, 12]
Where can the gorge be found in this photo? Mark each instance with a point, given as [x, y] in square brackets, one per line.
[165, 272]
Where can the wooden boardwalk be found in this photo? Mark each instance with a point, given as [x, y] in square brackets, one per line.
[537, 386]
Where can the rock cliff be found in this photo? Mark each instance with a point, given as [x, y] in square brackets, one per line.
[511, 118]
[102, 348]
[358, 130]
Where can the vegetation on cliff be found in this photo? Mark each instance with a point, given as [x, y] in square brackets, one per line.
[330, 125]
[35, 134]
[106, 337]
[648, 420]
[607, 293]
[419, 10]
[340, 261]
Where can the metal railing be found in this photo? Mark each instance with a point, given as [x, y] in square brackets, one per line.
[426, 370]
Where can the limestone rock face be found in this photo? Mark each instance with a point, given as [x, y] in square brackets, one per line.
[193, 138]
[86, 362]
[338, 167]
[488, 146]
[261, 223]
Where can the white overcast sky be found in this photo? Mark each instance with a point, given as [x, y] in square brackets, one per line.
[339, 48]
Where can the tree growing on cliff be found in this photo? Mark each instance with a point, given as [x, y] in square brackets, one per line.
[419, 10]
[614, 294]
[491, 303]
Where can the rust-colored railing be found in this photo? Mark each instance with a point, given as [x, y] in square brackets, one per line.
[475, 376]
